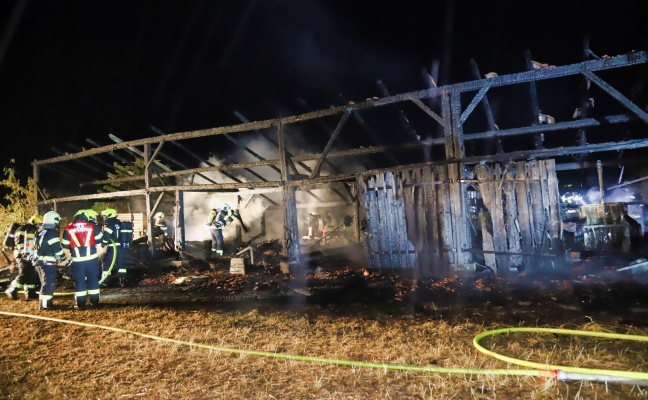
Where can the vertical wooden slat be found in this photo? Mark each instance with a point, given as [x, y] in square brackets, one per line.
[512, 220]
[374, 222]
[546, 210]
[409, 194]
[388, 224]
[362, 201]
[555, 225]
[427, 219]
[537, 214]
[383, 233]
[445, 213]
[499, 227]
[482, 173]
[399, 220]
[435, 202]
[524, 220]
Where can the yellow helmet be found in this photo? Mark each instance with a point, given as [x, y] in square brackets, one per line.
[80, 215]
[35, 219]
[109, 213]
[91, 214]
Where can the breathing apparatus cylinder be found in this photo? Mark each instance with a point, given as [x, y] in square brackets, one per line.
[126, 234]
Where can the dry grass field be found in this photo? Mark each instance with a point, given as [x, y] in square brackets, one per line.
[170, 341]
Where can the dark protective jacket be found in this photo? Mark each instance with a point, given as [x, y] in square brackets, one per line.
[220, 218]
[48, 246]
[9, 240]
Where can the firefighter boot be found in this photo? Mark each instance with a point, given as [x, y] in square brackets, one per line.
[45, 304]
[123, 282]
[12, 291]
[94, 300]
[80, 303]
[31, 294]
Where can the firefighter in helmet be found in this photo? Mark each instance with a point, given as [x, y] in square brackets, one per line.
[81, 237]
[217, 220]
[24, 243]
[49, 253]
[159, 224]
[113, 259]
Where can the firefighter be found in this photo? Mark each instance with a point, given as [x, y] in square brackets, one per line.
[81, 237]
[161, 232]
[113, 259]
[48, 253]
[9, 241]
[217, 220]
[24, 241]
[159, 224]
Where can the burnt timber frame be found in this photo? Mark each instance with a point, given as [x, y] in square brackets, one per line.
[451, 120]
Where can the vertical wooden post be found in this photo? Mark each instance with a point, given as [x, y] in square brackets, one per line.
[356, 213]
[147, 194]
[179, 227]
[36, 177]
[456, 190]
[291, 236]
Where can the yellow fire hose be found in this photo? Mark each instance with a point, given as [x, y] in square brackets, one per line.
[539, 370]
[112, 263]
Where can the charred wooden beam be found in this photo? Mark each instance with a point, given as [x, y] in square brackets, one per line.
[276, 185]
[252, 172]
[582, 112]
[402, 146]
[401, 114]
[96, 157]
[635, 58]
[329, 144]
[641, 114]
[487, 108]
[83, 163]
[534, 100]
[111, 153]
[191, 153]
[328, 129]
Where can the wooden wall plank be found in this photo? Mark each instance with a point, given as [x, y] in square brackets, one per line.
[537, 214]
[512, 220]
[383, 241]
[524, 214]
[499, 226]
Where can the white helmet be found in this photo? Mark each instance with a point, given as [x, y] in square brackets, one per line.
[51, 217]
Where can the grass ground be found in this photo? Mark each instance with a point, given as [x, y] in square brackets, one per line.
[348, 316]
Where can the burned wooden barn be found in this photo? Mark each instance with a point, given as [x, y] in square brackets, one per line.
[434, 180]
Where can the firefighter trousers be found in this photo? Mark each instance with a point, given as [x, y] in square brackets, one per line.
[86, 278]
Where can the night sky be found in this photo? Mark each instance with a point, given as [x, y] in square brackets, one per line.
[71, 70]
